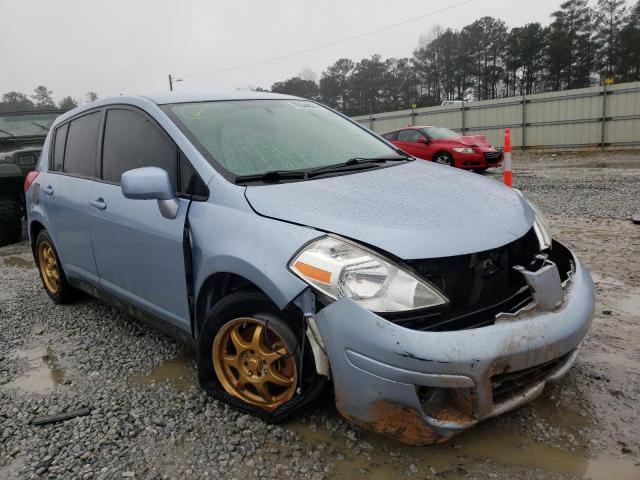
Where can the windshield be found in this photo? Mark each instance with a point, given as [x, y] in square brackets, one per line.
[251, 137]
[26, 124]
[440, 132]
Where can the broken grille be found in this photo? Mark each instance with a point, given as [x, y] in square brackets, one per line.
[478, 286]
[506, 385]
[492, 157]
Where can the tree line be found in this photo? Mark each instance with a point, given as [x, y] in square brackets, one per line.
[584, 45]
[40, 99]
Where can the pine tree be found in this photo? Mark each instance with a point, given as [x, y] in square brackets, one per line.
[610, 15]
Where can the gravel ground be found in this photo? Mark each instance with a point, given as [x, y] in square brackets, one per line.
[148, 419]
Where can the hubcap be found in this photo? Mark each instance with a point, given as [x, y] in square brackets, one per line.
[254, 364]
[48, 267]
[443, 160]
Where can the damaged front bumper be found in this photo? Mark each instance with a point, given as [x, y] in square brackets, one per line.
[424, 387]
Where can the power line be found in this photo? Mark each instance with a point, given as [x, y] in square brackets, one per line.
[330, 44]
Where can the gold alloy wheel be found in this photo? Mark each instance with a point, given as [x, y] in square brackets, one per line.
[48, 267]
[254, 364]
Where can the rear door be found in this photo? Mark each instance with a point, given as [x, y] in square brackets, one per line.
[139, 252]
[408, 140]
[65, 194]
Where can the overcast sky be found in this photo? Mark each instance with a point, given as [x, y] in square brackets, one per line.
[130, 46]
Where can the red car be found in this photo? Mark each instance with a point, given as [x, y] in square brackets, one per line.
[446, 147]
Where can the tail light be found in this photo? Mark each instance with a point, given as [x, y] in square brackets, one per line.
[31, 176]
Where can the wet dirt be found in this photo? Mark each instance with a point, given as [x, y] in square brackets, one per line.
[456, 459]
[178, 372]
[600, 164]
[42, 373]
[20, 262]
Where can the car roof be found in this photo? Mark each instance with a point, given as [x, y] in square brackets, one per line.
[164, 98]
[212, 95]
[409, 127]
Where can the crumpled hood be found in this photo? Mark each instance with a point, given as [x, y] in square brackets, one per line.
[414, 210]
[469, 141]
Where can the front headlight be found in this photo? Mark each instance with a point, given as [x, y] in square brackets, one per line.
[541, 227]
[463, 149]
[341, 269]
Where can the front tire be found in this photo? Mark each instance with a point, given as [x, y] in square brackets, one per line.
[444, 158]
[10, 220]
[249, 356]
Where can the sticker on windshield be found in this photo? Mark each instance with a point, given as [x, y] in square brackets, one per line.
[305, 105]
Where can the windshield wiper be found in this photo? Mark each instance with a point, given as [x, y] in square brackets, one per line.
[41, 126]
[272, 176]
[9, 133]
[358, 163]
[355, 163]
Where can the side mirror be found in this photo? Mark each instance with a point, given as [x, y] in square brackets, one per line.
[151, 183]
[424, 140]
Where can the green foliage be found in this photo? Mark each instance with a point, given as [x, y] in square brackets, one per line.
[484, 60]
[627, 64]
[297, 86]
[67, 103]
[42, 97]
[15, 102]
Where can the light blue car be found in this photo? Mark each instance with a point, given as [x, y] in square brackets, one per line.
[294, 248]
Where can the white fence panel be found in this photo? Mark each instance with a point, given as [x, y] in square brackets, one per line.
[595, 117]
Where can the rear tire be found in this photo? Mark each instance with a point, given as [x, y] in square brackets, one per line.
[235, 375]
[53, 278]
[10, 219]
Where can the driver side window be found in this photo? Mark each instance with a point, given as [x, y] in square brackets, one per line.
[409, 136]
[132, 141]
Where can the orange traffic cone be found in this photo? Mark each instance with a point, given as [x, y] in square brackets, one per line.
[506, 165]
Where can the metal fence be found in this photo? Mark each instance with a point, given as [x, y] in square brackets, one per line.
[606, 117]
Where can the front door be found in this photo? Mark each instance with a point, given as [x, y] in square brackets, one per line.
[139, 253]
[412, 142]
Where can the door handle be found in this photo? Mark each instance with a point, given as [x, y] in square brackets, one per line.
[99, 203]
[48, 190]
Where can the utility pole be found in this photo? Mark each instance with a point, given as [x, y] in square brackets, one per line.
[170, 83]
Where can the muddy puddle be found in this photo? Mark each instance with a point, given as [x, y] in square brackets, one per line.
[631, 303]
[179, 372]
[626, 298]
[18, 261]
[484, 444]
[598, 163]
[42, 374]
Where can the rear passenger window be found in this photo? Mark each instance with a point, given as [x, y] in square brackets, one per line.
[390, 135]
[131, 140]
[58, 146]
[82, 145]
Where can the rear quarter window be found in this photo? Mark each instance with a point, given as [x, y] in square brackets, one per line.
[82, 145]
[58, 146]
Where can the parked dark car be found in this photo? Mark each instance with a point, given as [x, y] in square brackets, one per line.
[21, 137]
[444, 146]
